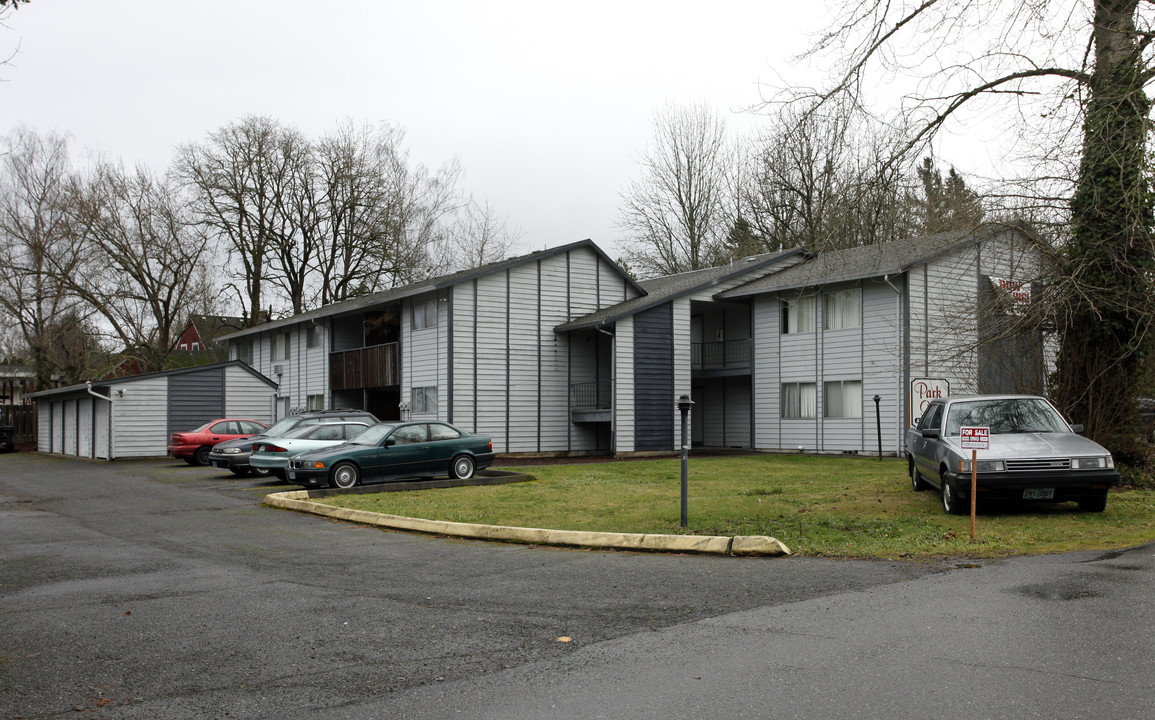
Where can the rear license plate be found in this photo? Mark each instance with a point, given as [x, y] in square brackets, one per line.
[1039, 494]
[290, 474]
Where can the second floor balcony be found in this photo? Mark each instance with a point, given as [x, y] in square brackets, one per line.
[368, 367]
[727, 355]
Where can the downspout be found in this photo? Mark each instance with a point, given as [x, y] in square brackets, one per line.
[108, 399]
[900, 380]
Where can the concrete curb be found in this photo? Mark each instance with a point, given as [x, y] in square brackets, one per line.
[745, 545]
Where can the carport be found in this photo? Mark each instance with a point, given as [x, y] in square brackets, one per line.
[134, 416]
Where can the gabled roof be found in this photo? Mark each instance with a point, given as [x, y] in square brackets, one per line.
[869, 261]
[164, 373]
[429, 285]
[663, 289]
[210, 327]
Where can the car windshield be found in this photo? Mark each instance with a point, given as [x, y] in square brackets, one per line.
[1005, 415]
[282, 427]
[373, 435]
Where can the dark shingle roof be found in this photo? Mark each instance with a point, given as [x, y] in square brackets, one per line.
[423, 286]
[663, 289]
[859, 263]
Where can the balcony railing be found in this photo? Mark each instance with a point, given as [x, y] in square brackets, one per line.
[591, 396]
[368, 367]
[720, 355]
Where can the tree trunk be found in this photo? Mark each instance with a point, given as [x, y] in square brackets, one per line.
[1106, 314]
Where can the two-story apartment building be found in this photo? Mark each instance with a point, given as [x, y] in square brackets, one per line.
[559, 351]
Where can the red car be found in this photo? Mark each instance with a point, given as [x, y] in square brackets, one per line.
[193, 446]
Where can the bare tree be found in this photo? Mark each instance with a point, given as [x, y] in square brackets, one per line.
[1076, 77]
[477, 236]
[233, 178]
[36, 248]
[141, 265]
[676, 215]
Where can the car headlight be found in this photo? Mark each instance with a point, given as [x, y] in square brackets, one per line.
[964, 466]
[230, 451]
[1093, 463]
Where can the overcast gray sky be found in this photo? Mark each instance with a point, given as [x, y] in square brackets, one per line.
[547, 105]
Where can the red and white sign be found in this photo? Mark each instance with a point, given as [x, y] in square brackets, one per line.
[922, 391]
[975, 438]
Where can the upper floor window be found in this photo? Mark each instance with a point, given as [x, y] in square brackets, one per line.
[245, 351]
[424, 314]
[842, 309]
[798, 315]
[281, 346]
[312, 336]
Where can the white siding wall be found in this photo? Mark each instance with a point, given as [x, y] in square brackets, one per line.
[423, 354]
[882, 375]
[682, 370]
[524, 391]
[464, 389]
[140, 423]
[558, 370]
[624, 438]
[247, 396]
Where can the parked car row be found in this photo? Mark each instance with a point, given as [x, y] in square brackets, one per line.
[338, 448]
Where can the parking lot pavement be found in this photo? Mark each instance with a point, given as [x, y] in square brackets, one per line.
[151, 589]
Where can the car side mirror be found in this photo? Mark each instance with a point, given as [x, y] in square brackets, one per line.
[931, 433]
[1077, 429]
[389, 442]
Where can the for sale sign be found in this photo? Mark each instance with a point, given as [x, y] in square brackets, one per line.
[975, 438]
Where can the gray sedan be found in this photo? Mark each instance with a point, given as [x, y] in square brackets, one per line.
[1033, 455]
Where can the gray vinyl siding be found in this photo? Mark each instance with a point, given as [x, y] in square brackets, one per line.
[492, 359]
[654, 378]
[423, 355]
[140, 418]
[623, 413]
[558, 368]
[683, 383]
[883, 364]
[461, 371]
[766, 373]
[524, 389]
[247, 396]
[194, 398]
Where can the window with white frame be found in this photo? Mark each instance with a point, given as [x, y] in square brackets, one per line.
[424, 314]
[315, 402]
[842, 399]
[312, 336]
[281, 346]
[798, 315]
[799, 401]
[424, 399]
[842, 309]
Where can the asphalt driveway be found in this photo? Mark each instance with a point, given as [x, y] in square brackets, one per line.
[155, 590]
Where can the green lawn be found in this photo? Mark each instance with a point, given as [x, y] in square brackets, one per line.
[816, 505]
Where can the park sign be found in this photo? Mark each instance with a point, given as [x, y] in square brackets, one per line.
[975, 438]
[922, 391]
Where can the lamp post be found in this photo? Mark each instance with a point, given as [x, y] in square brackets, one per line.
[878, 424]
[684, 404]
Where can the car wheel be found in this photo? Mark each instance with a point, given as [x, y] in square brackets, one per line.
[238, 471]
[345, 476]
[462, 467]
[916, 480]
[201, 456]
[191, 459]
[1094, 503]
[950, 498]
[260, 472]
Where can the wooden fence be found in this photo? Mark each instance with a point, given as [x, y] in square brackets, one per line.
[23, 418]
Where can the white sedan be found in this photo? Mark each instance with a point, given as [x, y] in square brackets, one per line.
[273, 453]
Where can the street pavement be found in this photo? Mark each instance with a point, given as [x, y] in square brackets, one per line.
[150, 589]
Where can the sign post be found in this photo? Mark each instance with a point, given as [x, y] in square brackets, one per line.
[974, 439]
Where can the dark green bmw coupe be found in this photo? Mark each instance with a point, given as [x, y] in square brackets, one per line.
[392, 451]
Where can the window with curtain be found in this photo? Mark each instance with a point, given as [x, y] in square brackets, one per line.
[842, 309]
[424, 399]
[799, 401]
[798, 315]
[842, 399]
[425, 314]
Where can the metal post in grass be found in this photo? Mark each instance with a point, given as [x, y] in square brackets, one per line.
[684, 404]
[878, 424]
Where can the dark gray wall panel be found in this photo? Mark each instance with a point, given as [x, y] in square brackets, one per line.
[654, 378]
[194, 398]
